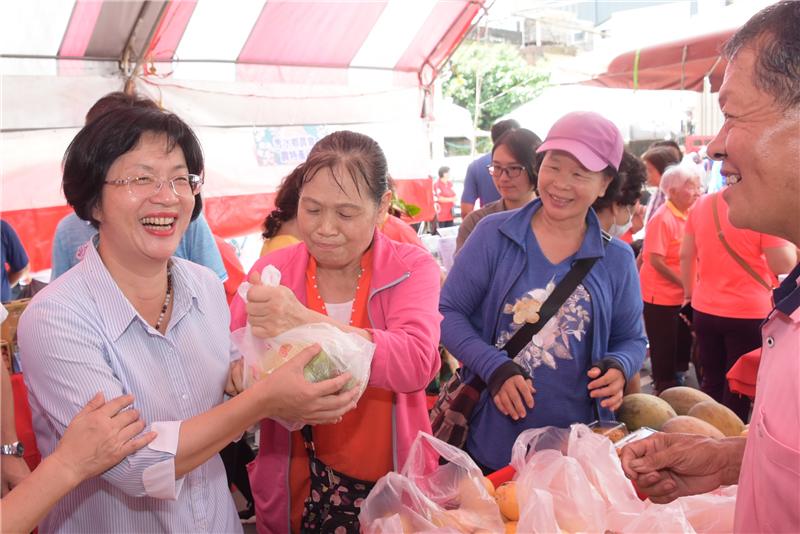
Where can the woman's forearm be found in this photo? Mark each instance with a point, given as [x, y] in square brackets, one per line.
[31, 499]
[204, 435]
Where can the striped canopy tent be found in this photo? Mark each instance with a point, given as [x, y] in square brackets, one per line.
[259, 80]
[678, 65]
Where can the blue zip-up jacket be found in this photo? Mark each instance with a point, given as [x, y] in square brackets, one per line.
[491, 262]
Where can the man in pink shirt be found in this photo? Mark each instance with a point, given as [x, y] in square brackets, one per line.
[759, 145]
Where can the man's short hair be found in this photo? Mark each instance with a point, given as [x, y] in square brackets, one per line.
[774, 35]
[443, 171]
[499, 128]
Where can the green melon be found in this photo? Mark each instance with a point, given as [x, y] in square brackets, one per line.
[322, 367]
[641, 409]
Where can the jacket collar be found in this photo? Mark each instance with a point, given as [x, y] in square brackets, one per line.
[518, 224]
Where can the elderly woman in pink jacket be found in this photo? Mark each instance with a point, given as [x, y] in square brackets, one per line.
[348, 274]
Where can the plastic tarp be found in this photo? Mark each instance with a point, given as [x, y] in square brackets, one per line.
[676, 65]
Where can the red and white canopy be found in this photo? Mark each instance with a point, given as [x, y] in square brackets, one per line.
[238, 72]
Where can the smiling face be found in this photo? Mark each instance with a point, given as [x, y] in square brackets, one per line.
[516, 191]
[567, 189]
[335, 220]
[759, 144]
[136, 228]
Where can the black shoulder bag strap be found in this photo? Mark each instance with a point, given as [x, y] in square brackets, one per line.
[565, 288]
[551, 305]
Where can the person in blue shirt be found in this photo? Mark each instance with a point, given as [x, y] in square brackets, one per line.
[508, 267]
[74, 234]
[13, 255]
[478, 184]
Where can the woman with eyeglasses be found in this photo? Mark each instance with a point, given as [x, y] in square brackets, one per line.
[132, 319]
[513, 170]
[575, 368]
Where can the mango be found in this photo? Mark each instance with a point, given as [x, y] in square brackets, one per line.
[683, 398]
[686, 424]
[719, 416]
[641, 409]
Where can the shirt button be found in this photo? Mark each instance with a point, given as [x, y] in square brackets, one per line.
[770, 341]
[184, 396]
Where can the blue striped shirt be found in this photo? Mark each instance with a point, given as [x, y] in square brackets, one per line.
[81, 335]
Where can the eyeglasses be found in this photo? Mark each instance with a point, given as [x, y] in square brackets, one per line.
[512, 171]
[185, 185]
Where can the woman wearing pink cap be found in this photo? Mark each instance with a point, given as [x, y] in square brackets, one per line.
[508, 268]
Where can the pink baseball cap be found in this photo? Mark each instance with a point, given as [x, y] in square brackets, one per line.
[589, 137]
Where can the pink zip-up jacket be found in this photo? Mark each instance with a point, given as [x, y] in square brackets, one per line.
[403, 311]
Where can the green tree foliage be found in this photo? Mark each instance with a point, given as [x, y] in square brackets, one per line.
[507, 80]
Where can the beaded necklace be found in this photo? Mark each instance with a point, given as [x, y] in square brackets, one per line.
[167, 300]
[358, 311]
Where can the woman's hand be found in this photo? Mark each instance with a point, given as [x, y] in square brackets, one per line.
[611, 385]
[235, 383]
[100, 436]
[272, 310]
[515, 393]
[289, 396]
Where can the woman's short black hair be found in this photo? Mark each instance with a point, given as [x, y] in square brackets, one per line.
[626, 186]
[522, 143]
[101, 142]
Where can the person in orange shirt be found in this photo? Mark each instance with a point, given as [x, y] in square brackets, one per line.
[662, 288]
[729, 300]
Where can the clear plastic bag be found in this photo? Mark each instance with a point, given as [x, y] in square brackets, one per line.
[341, 351]
[711, 512]
[599, 460]
[450, 496]
[581, 474]
[577, 505]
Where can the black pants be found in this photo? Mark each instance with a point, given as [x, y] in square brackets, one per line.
[446, 224]
[670, 343]
[235, 457]
[721, 341]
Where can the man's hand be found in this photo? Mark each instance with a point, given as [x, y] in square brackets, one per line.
[14, 470]
[515, 393]
[272, 310]
[667, 466]
[610, 385]
[288, 395]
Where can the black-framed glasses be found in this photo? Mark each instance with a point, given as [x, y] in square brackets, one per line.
[512, 171]
[145, 186]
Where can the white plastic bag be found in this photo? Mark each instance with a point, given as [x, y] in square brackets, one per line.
[341, 351]
[599, 460]
[430, 497]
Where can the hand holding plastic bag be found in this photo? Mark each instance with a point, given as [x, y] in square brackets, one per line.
[341, 351]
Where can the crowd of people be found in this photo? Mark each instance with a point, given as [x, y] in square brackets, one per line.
[130, 319]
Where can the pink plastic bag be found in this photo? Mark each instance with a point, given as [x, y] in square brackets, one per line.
[450, 496]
